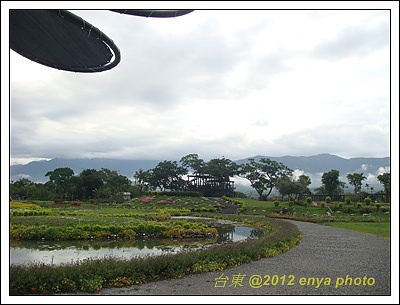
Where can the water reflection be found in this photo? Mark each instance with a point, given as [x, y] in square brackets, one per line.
[61, 252]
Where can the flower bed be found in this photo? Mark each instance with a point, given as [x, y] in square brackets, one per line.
[147, 199]
[166, 201]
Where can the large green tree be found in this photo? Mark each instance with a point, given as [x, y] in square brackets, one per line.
[167, 175]
[221, 168]
[25, 188]
[292, 186]
[21, 187]
[304, 182]
[193, 162]
[75, 188]
[331, 183]
[114, 184]
[384, 179]
[142, 180]
[58, 179]
[356, 180]
[92, 183]
[263, 175]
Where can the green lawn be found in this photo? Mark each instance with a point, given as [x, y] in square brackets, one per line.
[351, 220]
[379, 229]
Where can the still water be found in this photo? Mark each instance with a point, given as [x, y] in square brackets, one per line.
[63, 252]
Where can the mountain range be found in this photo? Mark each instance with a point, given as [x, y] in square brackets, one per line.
[312, 166]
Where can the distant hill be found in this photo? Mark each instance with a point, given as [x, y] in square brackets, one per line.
[325, 162]
[312, 166]
[36, 170]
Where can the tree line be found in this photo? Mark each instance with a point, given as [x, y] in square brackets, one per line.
[264, 175]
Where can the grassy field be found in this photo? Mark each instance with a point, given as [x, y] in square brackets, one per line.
[378, 229]
[344, 216]
[134, 212]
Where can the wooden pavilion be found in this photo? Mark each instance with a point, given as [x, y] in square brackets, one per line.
[210, 186]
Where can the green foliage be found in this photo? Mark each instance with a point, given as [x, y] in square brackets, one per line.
[309, 200]
[356, 181]
[194, 162]
[92, 284]
[367, 201]
[384, 179]
[67, 285]
[263, 175]
[167, 175]
[291, 186]
[276, 204]
[330, 182]
[328, 199]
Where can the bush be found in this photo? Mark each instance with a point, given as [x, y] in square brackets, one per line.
[92, 284]
[328, 199]
[309, 200]
[276, 203]
[368, 209]
[367, 201]
[348, 200]
[291, 203]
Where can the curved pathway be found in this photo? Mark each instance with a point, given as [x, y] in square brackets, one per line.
[328, 261]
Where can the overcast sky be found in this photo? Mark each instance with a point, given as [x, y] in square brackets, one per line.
[219, 83]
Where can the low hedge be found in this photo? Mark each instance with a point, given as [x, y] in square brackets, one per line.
[180, 193]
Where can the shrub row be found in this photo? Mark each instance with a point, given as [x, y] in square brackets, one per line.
[87, 231]
[22, 205]
[241, 203]
[40, 212]
[27, 209]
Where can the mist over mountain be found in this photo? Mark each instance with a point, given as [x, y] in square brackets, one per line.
[312, 166]
[315, 166]
[325, 162]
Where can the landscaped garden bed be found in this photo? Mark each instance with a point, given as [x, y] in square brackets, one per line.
[94, 274]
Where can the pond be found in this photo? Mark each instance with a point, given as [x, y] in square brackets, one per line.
[63, 252]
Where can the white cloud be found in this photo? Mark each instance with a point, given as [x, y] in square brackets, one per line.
[216, 83]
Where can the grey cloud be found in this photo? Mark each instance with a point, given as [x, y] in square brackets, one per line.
[354, 41]
[346, 140]
[264, 69]
[165, 67]
[156, 74]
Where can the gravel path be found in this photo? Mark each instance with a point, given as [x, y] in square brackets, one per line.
[328, 261]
